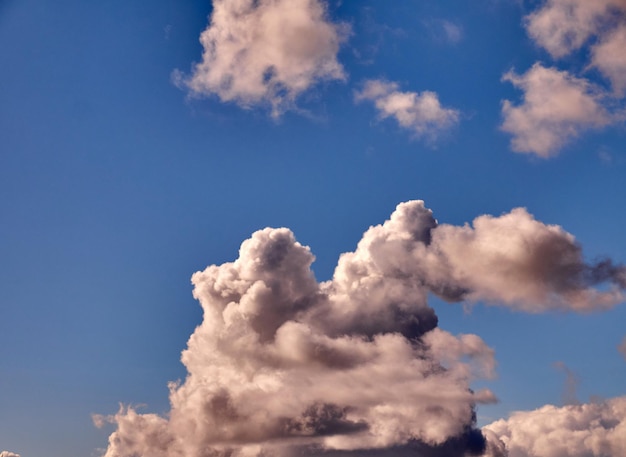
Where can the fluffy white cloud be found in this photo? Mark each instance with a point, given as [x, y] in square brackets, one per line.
[266, 52]
[282, 363]
[8, 454]
[609, 56]
[588, 430]
[556, 108]
[562, 26]
[422, 114]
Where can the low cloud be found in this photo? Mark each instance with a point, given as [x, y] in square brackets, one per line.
[266, 52]
[8, 454]
[587, 430]
[563, 26]
[357, 366]
[420, 113]
[556, 108]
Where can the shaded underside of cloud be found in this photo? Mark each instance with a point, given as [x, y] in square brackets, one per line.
[587, 430]
[556, 108]
[266, 52]
[420, 113]
[285, 365]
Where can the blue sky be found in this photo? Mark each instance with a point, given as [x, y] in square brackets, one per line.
[119, 180]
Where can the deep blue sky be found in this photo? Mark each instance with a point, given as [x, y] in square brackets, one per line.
[115, 186]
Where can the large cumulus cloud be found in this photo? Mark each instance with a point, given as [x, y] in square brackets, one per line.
[588, 430]
[266, 52]
[282, 364]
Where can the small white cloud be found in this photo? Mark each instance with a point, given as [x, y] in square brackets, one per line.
[421, 113]
[587, 430]
[266, 52]
[562, 26]
[609, 56]
[8, 454]
[556, 108]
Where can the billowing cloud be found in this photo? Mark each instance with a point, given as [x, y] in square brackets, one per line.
[562, 26]
[283, 364]
[609, 57]
[420, 113]
[556, 108]
[266, 52]
[8, 454]
[587, 430]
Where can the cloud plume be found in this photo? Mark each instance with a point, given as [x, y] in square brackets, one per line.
[283, 364]
[587, 430]
[556, 108]
[266, 52]
[422, 114]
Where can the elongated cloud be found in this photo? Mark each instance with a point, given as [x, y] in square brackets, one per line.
[420, 113]
[562, 26]
[8, 454]
[283, 365]
[588, 430]
[266, 52]
[556, 108]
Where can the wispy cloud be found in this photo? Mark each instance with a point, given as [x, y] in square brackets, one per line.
[266, 52]
[420, 113]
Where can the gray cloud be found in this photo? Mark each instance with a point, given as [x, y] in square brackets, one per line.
[283, 365]
[587, 430]
[266, 52]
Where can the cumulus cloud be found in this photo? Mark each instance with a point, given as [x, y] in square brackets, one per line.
[587, 430]
[266, 52]
[283, 364]
[556, 108]
[562, 26]
[422, 114]
[609, 57]
[8, 454]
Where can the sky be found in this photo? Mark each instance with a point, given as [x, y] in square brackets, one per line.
[312, 227]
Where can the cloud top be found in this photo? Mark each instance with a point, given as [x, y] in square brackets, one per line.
[266, 52]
